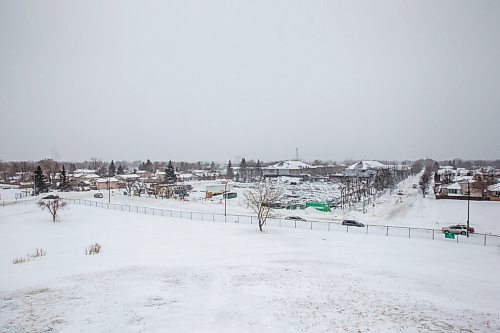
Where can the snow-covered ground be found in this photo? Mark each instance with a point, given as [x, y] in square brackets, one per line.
[158, 274]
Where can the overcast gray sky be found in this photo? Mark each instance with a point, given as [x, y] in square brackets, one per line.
[218, 80]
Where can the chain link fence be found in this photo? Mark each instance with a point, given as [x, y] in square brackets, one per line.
[383, 230]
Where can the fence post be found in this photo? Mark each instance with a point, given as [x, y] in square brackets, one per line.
[238, 219]
[181, 214]
[432, 234]
[457, 238]
[171, 213]
[367, 228]
[311, 225]
[328, 226]
[191, 215]
[129, 208]
[387, 231]
[347, 228]
[213, 217]
[295, 224]
[251, 219]
[484, 239]
[153, 211]
[409, 230]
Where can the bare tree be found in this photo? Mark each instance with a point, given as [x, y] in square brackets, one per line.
[51, 168]
[129, 184]
[98, 166]
[139, 186]
[53, 206]
[426, 181]
[262, 199]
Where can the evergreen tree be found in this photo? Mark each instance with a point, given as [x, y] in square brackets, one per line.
[112, 169]
[212, 166]
[242, 173]
[40, 181]
[72, 168]
[229, 173]
[258, 168]
[148, 166]
[64, 183]
[120, 170]
[170, 177]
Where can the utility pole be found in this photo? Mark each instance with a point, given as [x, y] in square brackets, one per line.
[109, 190]
[468, 206]
[225, 197]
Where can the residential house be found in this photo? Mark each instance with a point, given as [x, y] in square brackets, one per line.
[286, 168]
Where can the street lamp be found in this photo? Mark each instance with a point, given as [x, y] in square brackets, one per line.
[468, 206]
[109, 190]
[225, 198]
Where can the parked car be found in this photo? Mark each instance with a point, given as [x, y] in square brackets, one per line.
[458, 229]
[295, 218]
[51, 196]
[98, 195]
[400, 192]
[352, 223]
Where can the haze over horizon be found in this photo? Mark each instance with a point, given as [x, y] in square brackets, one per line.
[218, 80]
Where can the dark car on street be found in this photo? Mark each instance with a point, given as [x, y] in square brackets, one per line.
[295, 218]
[352, 223]
[50, 196]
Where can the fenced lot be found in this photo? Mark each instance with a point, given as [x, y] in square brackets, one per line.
[382, 230]
[333, 226]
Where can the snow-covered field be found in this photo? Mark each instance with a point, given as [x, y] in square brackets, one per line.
[158, 274]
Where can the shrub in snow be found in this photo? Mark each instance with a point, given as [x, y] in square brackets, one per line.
[38, 253]
[93, 249]
[53, 206]
[20, 260]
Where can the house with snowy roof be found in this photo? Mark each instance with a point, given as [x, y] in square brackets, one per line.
[364, 168]
[102, 183]
[494, 192]
[453, 189]
[286, 168]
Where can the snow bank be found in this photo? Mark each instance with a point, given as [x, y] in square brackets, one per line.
[159, 274]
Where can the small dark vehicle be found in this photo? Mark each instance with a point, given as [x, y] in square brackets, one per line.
[295, 218]
[51, 196]
[352, 223]
[98, 195]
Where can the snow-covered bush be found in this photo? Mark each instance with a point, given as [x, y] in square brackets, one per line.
[37, 253]
[20, 260]
[93, 249]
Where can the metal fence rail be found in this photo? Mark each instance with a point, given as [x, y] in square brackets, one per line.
[382, 230]
[4, 203]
